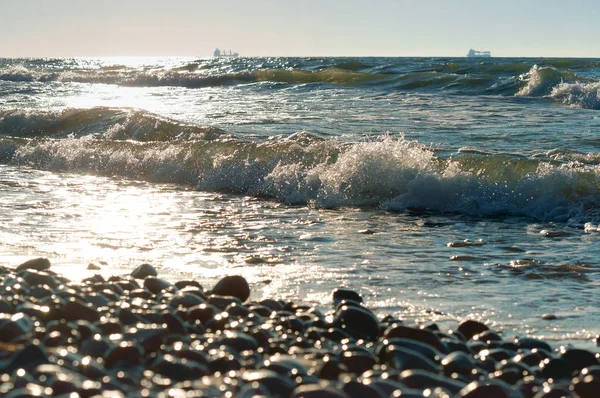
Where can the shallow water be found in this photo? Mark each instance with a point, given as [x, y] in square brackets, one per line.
[438, 188]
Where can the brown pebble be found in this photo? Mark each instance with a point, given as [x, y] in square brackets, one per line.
[38, 264]
[470, 328]
[549, 317]
[233, 285]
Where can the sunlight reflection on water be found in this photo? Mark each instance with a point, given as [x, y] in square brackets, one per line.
[405, 266]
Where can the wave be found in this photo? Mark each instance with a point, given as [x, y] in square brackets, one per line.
[574, 63]
[582, 95]
[186, 76]
[491, 79]
[389, 173]
[541, 80]
[563, 86]
[457, 83]
[329, 75]
[101, 122]
[126, 77]
[561, 79]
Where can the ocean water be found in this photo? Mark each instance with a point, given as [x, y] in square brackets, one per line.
[439, 188]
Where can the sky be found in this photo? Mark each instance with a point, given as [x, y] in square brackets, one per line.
[510, 28]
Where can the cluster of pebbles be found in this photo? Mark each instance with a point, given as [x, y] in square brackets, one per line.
[142, 336]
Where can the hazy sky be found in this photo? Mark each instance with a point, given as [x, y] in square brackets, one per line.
[301, 27]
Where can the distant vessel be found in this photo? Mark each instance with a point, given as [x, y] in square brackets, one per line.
[479, 54]
[219, 53]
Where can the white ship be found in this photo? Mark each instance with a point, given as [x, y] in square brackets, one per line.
[219, 53]
[479, 54]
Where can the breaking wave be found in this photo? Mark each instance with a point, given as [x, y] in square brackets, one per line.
[563, 86]
[583, 95]
[395, 174]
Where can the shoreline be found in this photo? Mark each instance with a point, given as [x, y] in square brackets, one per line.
[140, 334]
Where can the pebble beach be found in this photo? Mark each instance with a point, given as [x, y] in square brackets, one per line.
[138, 335]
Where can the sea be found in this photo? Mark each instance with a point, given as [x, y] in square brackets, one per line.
[440, 189]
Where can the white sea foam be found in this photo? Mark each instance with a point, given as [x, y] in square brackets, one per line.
[390, 173]
[562, 86]
[582, 95]
[540, 81]
[366, 174]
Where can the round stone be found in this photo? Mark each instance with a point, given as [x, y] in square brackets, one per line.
[359, 322]
[143, 271]
[458, 362]
[157, 285]
[579, 358]
[233, 285]
[15, 327]
[422, 335]
[470, 328]
[340, 294]
[178, 369]
[422, 380]
[38, 264]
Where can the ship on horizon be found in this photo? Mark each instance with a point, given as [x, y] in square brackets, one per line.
[478, 54]
[219, 53]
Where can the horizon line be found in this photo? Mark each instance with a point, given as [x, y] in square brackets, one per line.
[291, 56]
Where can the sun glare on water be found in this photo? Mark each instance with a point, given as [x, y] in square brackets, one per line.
[122, 82]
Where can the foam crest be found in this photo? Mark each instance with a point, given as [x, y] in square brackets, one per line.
[157, 162]
[371, 172]
[398, 175]
[565, 87]
[582, 95]
[549, 193]
[390, 173]
[541, 80]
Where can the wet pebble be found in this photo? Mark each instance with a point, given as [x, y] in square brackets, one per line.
[141, 335]
[458, 362]
[412, 333]
[38, 264]
[15, 327]
[470, 328]
[178, 369]
[234, 285]
[143, 271]
[156, 285]
[340, 294]
[359, 322]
